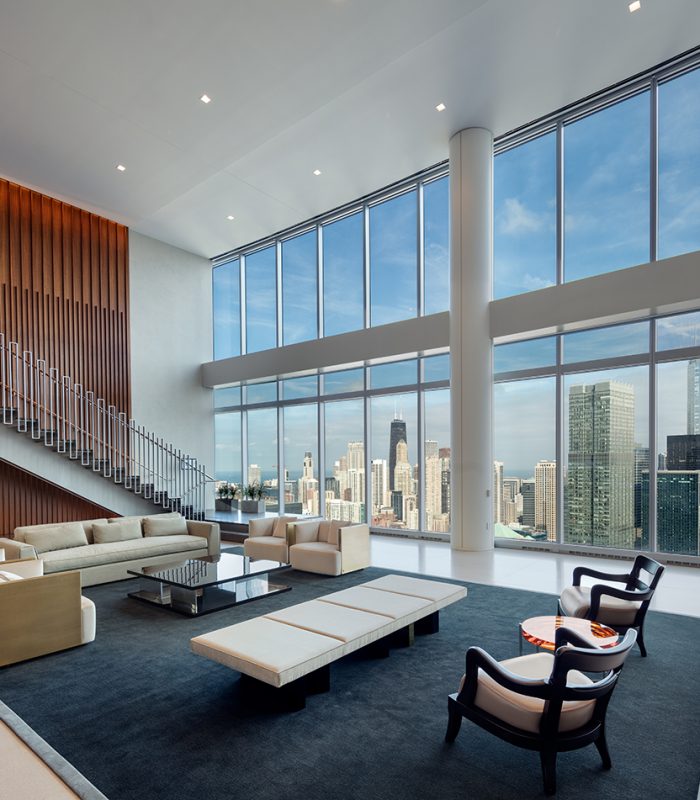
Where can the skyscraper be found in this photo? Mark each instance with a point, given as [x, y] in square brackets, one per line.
[546, 498]
[397, 434]
[527, 489]
[511, 495]
[497, 491]
[380, 498]
[683, 452]
[641, 465]
[600, 478]
[693, 396]
[677, 511]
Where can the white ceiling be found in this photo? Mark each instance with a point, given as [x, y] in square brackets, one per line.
[345, 86]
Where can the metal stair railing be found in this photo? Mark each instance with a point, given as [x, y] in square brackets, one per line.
[59, 414]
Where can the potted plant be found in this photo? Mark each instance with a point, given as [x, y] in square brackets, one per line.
[253, 502]
[225, 495]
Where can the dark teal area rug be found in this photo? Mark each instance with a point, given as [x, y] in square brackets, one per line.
[143, 718]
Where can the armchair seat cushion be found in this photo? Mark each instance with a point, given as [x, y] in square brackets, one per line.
[525, 713]
[273, 548]
[576, 601]
[319, 557]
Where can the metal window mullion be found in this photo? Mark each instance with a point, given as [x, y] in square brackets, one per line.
[321, 442]
[366, 268]
[280, 460]
[278, 293]
[560, 204]
[420, 245]
[244, 440]
[420, 400]
[653, 170]
[320, 301]
[653, 445]
[559, 444]
[368, 459]
[243, 304]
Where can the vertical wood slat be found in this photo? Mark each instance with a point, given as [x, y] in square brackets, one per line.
[28, 500]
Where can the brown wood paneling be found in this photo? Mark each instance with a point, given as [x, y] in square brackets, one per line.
[28, 500]
[64, 290]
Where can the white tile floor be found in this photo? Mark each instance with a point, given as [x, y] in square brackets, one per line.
[678, 592]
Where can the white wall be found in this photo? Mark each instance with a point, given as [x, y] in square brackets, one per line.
[171, 336]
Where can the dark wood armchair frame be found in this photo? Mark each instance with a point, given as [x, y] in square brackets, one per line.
[635, 589]
[572, 653]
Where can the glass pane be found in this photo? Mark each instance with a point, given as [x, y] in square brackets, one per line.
[525, 469]
[261, 300]
[394, 462]
[261, 393]
[437, 461]
[436, 368]
[400, 373]
[227, 444]
[678, 460]
[525, 355]
[299, 306]
[679, 331]
[345, 460]
[301, 489]
[606, 189]
[226, 298]
[606, 418]
[299, 387]
[524, 188]
[393, 259]
[679, 165]
[262, 454]
[227, 396]
[343, 275]
[436, 245]
[349, 380]
[619, 340]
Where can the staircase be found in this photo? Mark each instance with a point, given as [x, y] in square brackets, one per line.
[57, 414]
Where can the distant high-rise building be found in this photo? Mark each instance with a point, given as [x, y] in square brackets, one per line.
[527, 489]
[511, 496]
[403, 473]
[397, 504]
[683, 452]
[497, 491]
[600, 477]
[641, 465]
[431, 449]
[397, 434]
[546, 498]
[677, 511]
[379, 485]
[693, 396]
[254, 473]
[661, 461]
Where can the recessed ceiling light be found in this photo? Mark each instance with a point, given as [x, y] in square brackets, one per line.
[440, 107]
[317, 172]
[121, 168]
[205, 99]
[230, 217]
[635, 6]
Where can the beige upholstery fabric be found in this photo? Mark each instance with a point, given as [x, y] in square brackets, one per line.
[324, 528]
[141, 518]
[415, 587]
[523, 712]
[267, 650]
[261, 527]
[307, 531]
[88, 619]
[27, 568]
[269, 547]
[174, 526]
[576, 600]
[57, 537]
[20, 532]
[6, 577]
[15, 550]
[319, 557]
[103, 532]
[328, 619]
[96, 554]
[375, 601]
[334, 531]
[279, 529]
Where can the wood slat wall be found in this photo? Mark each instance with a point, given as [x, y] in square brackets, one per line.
[64, 290]
[28, 500]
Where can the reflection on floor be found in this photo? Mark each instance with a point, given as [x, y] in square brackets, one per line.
[678, 592]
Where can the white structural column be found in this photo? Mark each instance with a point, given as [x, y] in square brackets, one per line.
[471, 224]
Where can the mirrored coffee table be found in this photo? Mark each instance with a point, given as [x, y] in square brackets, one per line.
[201, 585]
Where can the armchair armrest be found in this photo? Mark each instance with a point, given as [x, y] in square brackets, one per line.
[564, 636]
[353, 543]
[605, 576]
[477, 659]
[599, 590]
[15, 550]
[211, 531]
[26, 567]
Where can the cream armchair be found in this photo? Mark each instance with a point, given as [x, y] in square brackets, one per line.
[269, 538]
[39, 613]
[329, 547]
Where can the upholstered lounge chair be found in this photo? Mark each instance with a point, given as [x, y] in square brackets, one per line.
[329, 547]
[269, 538]
[542, 702]
[621, 609]
[41, 614]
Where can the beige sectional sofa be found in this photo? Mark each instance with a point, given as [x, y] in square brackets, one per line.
[103, 550]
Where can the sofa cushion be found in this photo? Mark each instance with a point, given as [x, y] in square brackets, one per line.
[93, 555]
[173, 526]
[319, 557]
[280, 528]
[141, 517]
[334, 531]
[57, 537]
[576, 601]
[6, 577]
[20, 532]
[104, 533]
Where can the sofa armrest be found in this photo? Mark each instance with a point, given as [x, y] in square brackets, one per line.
[354, 547]
[210, 531]
[15, 550]
[25, 567]
[261, 527]
[305, 532]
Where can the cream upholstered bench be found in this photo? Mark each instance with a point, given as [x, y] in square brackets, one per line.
[292, 649]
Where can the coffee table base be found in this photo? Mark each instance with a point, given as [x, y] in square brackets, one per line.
[196, 602]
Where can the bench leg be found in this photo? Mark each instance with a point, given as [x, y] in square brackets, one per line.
[318, 681]
[429, 624]
[378, 649]
[290, 697]
[403, 637]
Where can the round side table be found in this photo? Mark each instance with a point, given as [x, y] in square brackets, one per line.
[541, 631]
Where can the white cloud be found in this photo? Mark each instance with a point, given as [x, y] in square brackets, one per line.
[517, 218]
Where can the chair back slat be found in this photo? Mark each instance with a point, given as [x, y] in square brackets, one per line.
[650, 566]
[606, 660]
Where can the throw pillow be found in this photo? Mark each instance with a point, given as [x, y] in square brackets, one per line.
[334, 532]
[164, 527]
[323, 530]
[57, 537]
[6, 577]
[103, 532]
[280, 527]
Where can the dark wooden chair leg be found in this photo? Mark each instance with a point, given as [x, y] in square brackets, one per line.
[548, 759]
[454, 723]
[601, 744]
[640, 641]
